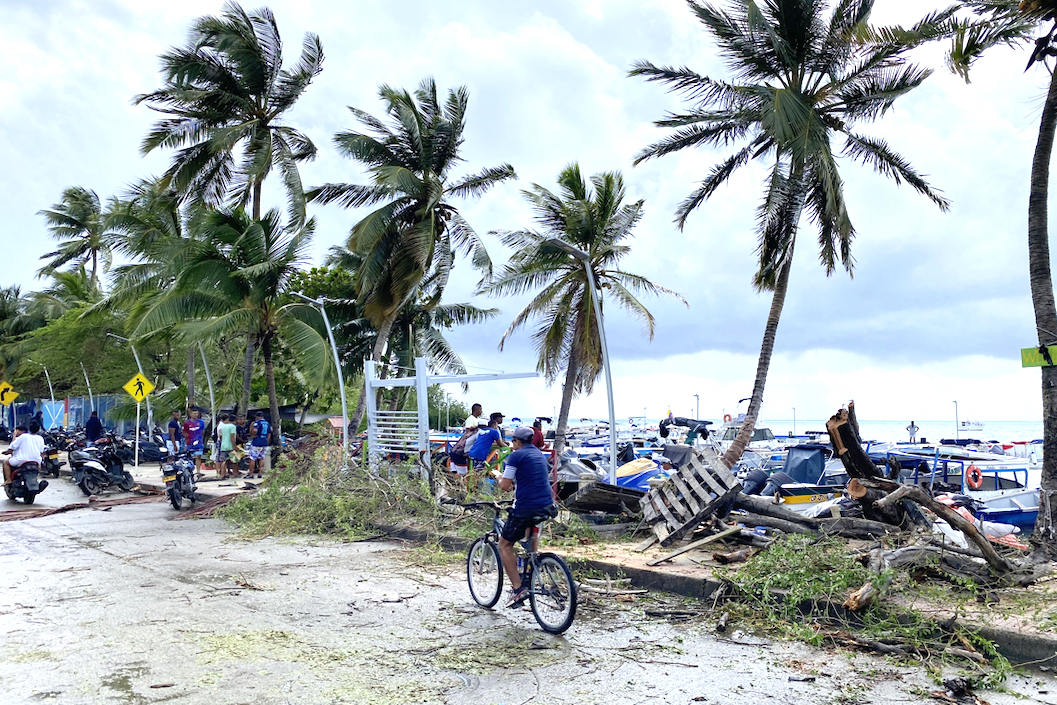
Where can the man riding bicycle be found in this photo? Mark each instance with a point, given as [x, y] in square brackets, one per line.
[526, 471]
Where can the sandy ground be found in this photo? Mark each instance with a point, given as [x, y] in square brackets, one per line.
[125, 606]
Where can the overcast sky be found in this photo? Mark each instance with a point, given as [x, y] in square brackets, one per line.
[937, 311]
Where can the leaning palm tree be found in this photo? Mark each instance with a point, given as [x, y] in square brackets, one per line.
[225, 94]
[1009, 23]
[597, 222]
[418, 230]
[79, 223]
[234, 279]
[802, 79]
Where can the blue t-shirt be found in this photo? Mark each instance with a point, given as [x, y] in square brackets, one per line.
[527, 467]
[483, 443]
[261, 439]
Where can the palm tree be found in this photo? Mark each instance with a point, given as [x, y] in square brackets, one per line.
[598, 223]
[234, 279]
[1002, 22]
[227, 90]
[417, 230]
[80, 226]
[801, 80]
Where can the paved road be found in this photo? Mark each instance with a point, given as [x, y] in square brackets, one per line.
[125, 606]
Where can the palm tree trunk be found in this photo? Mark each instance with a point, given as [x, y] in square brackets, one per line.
[376, 355]
[257, 200]
[567, 399]
[269, 375]
[190, 377]
[1044, 538]
[736, 449]
[247, 372]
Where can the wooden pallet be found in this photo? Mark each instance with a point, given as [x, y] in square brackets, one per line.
[692, 494]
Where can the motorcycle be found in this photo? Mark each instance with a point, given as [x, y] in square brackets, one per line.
[179, 477]
[50, 462]
[97, 467]
[26, 483]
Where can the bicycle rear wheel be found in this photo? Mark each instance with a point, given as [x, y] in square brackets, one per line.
[552, 594]
[484, 572]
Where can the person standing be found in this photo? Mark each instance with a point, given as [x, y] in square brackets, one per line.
[226, 434]
[537, 434]
[474, 419]
[93, 428]
[912, 429]
[194, 437]
[176, 433]
[259, 435]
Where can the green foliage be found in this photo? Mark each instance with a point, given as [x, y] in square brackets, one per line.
[443, 410]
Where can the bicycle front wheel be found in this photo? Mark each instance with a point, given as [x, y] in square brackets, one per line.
[484, 572]
[552, 594]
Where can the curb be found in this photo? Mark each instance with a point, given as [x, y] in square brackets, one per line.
[1022, 650]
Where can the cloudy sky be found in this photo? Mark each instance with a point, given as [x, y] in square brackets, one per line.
[937, 310]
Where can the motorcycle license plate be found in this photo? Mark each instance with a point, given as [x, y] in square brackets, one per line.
[169, 478]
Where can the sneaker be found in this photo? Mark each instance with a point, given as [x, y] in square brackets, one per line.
[517, 597]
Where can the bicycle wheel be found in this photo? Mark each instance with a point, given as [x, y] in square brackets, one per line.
[484, 572]
[552, 594]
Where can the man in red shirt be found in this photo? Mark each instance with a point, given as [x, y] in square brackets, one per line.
[537, 434]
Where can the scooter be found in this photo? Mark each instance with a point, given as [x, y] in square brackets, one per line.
[179, 477]
[50, 462]
[96, 468]
[25, 483]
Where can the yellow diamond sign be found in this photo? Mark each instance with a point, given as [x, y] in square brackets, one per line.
[7, 393]
[139, 387]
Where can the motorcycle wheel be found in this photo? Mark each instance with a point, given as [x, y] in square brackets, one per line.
[28, 497]
[89, 485]
[10, 492]
[126, 483]
[174, 497]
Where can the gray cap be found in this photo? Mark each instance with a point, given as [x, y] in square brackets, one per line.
[523, 433]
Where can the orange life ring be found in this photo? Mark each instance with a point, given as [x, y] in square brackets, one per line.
[726, 418]
[974, 477]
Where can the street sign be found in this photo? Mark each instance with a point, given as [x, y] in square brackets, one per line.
[1033, 357]
[7, 393]
[139, 387]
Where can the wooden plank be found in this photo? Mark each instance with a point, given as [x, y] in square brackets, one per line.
[645, 544]
[688, 495]
[672, 521]
[700, 492]
[676, 504]
[704, 473]
[696, 544]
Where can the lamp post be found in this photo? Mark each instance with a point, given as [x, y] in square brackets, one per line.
[139, 366]
[794, 420]
[337, 368]
[955, 420]
[585, 259]
[697, 407]
[91, 400]
[46, 376]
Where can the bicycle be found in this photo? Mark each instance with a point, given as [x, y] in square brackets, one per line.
[552, 592]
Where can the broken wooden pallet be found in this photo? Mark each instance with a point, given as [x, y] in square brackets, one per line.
[690, 495]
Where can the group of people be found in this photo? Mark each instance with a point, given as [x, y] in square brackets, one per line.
[232, 436]
[526, 471]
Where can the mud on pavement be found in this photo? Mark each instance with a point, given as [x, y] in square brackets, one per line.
[125, 607]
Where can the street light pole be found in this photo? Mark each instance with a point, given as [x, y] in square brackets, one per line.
[337, 368]
[91, 400]
[955, 420]
[697, 408]
[585, 260]
[794, 420]
[47, 377]
[139, 366]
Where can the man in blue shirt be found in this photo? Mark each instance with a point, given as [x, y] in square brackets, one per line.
[482, 445]
[527, 472]
[93, 428]
[258, 444]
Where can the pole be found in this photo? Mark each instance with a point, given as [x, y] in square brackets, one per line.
[609, 376]
[337, 368]
[139, 366]
[91, 400]
[697, 397]
[209, 379]
[794, 420]
[955, 420]
[137, 436]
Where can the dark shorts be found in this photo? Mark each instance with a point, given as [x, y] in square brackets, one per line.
[518, 523]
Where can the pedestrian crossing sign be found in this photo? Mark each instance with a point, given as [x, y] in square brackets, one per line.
[7, 393]
[139, 387]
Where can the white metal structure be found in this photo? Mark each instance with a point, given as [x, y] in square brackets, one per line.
[408, 431]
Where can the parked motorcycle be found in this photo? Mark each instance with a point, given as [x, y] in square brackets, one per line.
[50, 462]
[25, 483]
[97, 467]
[179, 477]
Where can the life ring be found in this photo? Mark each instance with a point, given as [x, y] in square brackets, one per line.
[726, 418]
[974, 477]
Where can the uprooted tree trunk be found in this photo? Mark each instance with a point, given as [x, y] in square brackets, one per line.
[843, 430]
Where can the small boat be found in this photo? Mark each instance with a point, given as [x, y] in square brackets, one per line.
[971, 425]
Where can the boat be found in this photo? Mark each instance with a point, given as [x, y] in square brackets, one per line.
[971, 425]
